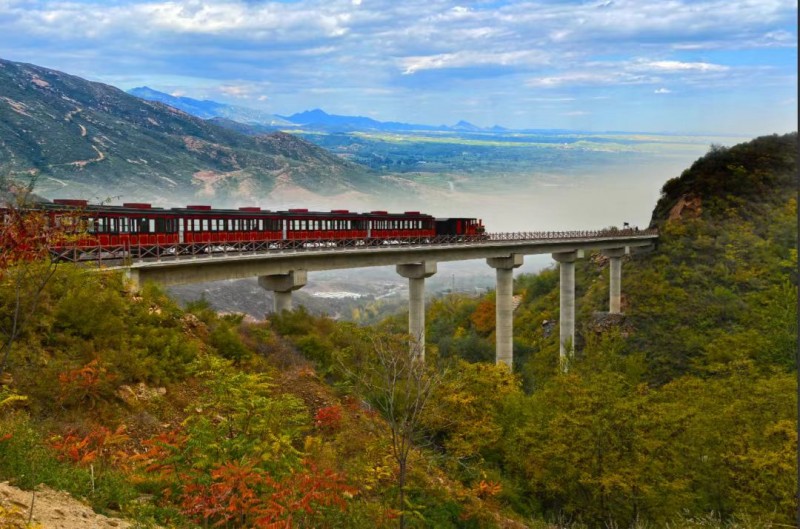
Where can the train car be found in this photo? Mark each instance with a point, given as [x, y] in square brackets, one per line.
[383, 225]
[131, 224]
[202, 225]
[459, 227]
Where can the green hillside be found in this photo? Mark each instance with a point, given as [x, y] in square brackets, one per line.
[681, 413]
[89, 139]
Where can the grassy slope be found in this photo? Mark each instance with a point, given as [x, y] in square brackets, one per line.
[50, 120]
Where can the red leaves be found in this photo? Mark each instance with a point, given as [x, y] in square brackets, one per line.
[329, 418]
[487, 489]
[84, 384]
[98, 444]
[243, 494]
[28, 235]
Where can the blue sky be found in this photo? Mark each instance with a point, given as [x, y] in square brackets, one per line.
[682, 66]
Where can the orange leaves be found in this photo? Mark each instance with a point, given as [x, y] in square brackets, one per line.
[487, 489]
[244, 495]
[84, 384]
[99, 444]
[162, 451]
[484, 316]
[28, 235]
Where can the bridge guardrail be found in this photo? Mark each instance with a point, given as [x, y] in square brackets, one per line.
[129, 253]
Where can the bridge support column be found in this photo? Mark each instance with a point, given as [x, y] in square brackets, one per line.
[282, 286]
[566, 310]
[504, 312]
[614, 279]
[132, 276]
[416, 275]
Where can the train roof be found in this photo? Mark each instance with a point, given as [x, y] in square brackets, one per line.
[203, 210]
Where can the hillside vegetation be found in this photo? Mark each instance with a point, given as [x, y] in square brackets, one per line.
[681, 413]
[83, 139]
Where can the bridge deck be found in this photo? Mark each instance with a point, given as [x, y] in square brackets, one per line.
[251, 260]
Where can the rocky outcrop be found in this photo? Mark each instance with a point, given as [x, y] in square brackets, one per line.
[687, 207]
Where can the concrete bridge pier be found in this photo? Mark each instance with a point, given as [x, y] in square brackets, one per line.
[416, 274]
[615, 279]
[282, 286]
[504, 312]
[566, 310]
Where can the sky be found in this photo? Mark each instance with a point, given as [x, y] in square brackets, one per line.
[675, 66]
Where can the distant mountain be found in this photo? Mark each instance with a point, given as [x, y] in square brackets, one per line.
[89, 139]
[320, 120]
[466, 126]
[230, 115]
[210, 109]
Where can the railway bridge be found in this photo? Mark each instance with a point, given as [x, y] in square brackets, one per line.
[285, 269]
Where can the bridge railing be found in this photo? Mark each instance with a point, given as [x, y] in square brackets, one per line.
[128, 253]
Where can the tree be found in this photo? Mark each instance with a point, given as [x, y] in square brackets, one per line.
[400, 386]
[26, 236]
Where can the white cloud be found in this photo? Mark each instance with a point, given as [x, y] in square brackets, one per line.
[678, 66]
[465, 59]
[243, 91]
[662, 91]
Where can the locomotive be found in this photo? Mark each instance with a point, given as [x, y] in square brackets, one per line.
[140, 225]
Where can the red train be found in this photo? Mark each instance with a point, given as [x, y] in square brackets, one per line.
[136, 225]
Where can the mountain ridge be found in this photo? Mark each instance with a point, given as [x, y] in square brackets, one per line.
[85, 139]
